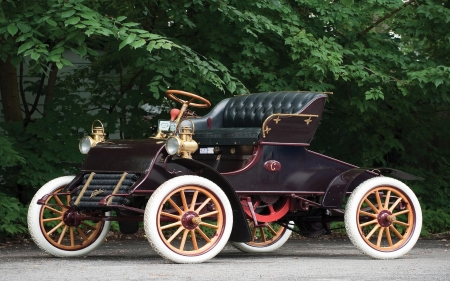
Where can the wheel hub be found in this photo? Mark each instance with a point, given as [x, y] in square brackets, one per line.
[72, 218]
[385, 218]
[190, 220]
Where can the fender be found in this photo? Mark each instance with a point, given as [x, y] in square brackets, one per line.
[241, 230]
[338, 187]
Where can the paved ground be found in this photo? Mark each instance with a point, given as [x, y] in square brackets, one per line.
[332, 259]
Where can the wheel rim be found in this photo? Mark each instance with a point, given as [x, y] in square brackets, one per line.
[386, 218]
[266, 235]
[62, 235]
[190, 220]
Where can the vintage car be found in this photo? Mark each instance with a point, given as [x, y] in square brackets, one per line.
[241, 173]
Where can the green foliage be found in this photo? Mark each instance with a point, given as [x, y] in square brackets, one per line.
[13, 216]
[8, 156]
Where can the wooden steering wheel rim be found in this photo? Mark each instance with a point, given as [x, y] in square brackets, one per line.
[171, 94]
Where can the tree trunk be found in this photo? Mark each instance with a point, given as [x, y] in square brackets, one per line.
[10, 91]
[51, 82]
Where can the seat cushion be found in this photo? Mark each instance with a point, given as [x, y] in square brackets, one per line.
[252, 110]
[227, 136]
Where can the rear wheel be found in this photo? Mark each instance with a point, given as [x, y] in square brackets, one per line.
[188, 219]
[52, 228]
[383, 218]
[265, 239]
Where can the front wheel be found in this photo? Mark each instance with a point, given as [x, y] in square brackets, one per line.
[383, 218]
[188, 219]
[48, 226]
[266, 238]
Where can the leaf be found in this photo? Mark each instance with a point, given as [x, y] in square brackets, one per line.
[130, 24]
[121, 18]
[51, 22]
[151, 45]
[82, 50]
[167, 46]
[138, 43]
[67, 14]
[24, 28]
[72, 21]
[127, 41]
[35, 56]
[25, 46]
[12, 29]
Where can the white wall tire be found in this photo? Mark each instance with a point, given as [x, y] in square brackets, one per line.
[267, 241]
[383, 218]
[188, 219]
[51, 234]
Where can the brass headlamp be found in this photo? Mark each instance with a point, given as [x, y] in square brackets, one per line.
[87, 142]
[183, 144]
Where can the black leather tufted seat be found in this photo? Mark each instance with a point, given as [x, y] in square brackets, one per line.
[238, 120]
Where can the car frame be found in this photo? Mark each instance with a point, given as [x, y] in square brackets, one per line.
[241, 173]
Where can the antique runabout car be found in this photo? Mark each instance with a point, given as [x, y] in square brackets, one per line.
[241, 173]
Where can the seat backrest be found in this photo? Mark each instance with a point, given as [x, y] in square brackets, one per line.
[252, 110]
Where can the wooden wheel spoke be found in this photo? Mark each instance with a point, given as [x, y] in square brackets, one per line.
[377, 196]
[263, 235]
[175, 206]
[391, 209]
[203, 234]
[372, 231]
[388, 198]
[183, 239]
[256, 204]
[209, 225]
[194, 200]
[396, 231]
[170, 215]
[54, 210]
[208, 214]
[371, 205]
[401, 223]
[388, 236]
[58, 200]
[401, 212]
[202, 205]
[380, 237]
[170, 225]
[183, 200]
[89, 225]
[72, 238]
[271, 229]
[175, 234]
[368, 223]
[55, 228]
[194, 240]
[63, 233]
[52, 219]
[367, 214]
[253, 234]
[82, 234]
[271, 209]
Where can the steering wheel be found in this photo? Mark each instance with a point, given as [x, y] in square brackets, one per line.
[172, 95]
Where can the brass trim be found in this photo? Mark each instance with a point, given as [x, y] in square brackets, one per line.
[122, 178]
[88, 182]
[278, 115]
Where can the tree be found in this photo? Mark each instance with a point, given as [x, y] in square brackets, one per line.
[387, 62]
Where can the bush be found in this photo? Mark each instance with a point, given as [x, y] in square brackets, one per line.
[13, 216]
